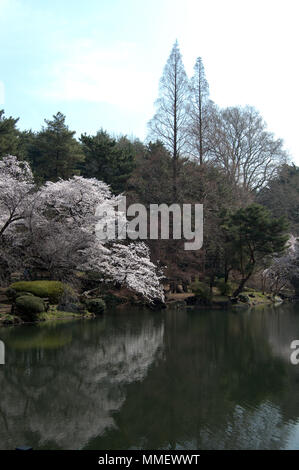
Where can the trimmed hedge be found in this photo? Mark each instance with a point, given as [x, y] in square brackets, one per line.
[53, 290]
[29, 306]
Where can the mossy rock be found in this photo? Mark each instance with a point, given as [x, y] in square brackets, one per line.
[96, 306]
[243, 298]
[28, 307]
[53, 290]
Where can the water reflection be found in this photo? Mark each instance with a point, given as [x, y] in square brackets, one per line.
[65, 395]
[197, 380]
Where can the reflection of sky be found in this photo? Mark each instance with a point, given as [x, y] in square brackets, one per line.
[293, 436]
[258, 428]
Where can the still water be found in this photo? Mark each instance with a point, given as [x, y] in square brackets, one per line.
[152, 380]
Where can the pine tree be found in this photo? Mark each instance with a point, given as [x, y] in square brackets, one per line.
[252, 234]
[8, 135]
[54, 152]
[107, 159]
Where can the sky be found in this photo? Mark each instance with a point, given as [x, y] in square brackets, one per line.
[99, 61]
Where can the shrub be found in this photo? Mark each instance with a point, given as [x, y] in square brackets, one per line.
[225, 288]
[53, 290]
[29, 306]
[201, 290]
[96, 306]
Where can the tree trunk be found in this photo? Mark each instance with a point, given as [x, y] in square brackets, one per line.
[242, 284]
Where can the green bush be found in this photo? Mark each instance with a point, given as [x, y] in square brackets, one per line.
[201, 290]
[53, 290]
[96, 306]
[225, 288]
[29, 306]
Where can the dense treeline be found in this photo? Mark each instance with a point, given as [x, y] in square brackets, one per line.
[195, 153]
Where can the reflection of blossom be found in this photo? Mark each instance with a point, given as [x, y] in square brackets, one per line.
[68, 397]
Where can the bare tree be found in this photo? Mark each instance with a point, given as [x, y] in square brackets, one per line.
[169, 124]
[242, 146]
[199, 110]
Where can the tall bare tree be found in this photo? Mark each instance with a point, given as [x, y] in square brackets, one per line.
[169, 124]
[199, 110]
[243, 147]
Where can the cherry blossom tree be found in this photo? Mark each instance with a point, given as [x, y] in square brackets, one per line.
[54, 228]
[284, 270]
[16, 191]
[128, 265]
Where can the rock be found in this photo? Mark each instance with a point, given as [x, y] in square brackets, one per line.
[243, 298]
[176, 304]
[71, 307]
[96, 306]
[197, 300]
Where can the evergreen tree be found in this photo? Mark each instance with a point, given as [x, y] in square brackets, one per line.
[281, 195]
[251, 234]
[54, 152]
[8, 135]
[107, 160]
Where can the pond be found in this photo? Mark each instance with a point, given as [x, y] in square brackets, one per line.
[153, 380]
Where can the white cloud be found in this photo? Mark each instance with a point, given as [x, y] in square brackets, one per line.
[111, 74]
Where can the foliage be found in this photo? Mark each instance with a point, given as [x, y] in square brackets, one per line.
[8, 135]
[281, 195]
[225, 288]
[201, 290]
[252, 234]
[107, 160]
[54, 152]
[53, 290]
[29, 306]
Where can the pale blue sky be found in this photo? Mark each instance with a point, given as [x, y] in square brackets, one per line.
[99, 61]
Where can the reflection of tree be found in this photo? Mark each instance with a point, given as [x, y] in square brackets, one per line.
[220, 386]
[63, 397]
[211, 380]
